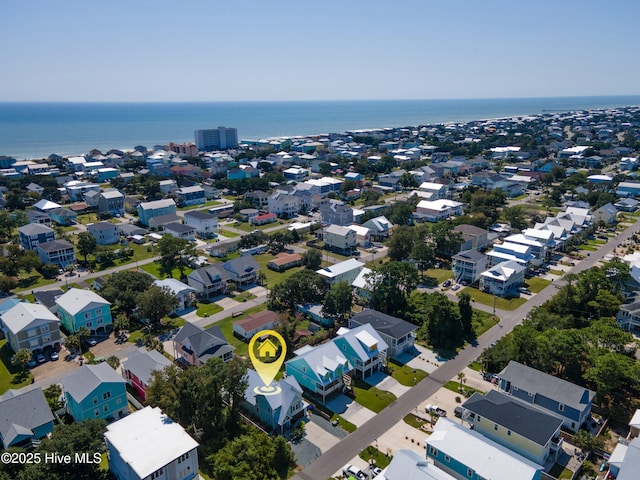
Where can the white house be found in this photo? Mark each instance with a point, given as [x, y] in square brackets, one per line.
[363, 235]
[205, 224]
[105, 233]
[183, 292]
[341, 239]
[436, 189]
[503, 279]
[149, 445]
[346, 271]
[432, 211]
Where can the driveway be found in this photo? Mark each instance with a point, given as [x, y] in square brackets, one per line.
[388, 383]
[350, 410]
[423, 359]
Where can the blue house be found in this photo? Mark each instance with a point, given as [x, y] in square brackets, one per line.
[83, 308]
[63, 216]
[33, 234]
[565, 400]
[149, 210]
[280, 411]
[95, 391]
[467, 454]
[364, 348]
[25, 418]
[320, 370]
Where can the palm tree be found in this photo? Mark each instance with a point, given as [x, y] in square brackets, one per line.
[461, 379]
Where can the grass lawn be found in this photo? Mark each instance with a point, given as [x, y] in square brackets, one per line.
[273, 277]
[228, 233]
[11, 376]
[380, 458]
[342, 423]
[560, 273]
[243, 296]
[560, 472]
[440, 274]
[414, 421]
[475, 366]
[481, 322]
[487, 299]
[226, 326]
[154, 269]
[29, 281]
[247, 227]
[454, 386]
[404, 374]
[536, 284]
[207, 309]
[104, 462]
[370, 397]
[589, 248]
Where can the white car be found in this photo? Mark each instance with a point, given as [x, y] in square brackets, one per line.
[455, 287]
[351, 470]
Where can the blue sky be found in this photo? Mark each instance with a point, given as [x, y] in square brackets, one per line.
[211, 50]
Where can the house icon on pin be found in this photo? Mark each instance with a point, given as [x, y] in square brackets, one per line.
[267, 349]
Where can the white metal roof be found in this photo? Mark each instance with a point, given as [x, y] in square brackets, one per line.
[75, 300]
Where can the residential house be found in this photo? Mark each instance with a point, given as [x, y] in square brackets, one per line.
[32, 326]
[204, 224]
[432, 211]
[560, 398]
[180, 230]
[209, 281]
[148, 445]
[606, 213]
[190, 195]
[254, 323]
[315, 314]
[263, 219]
[34, 188]
[48, 299]
[514, 424]
[111, 201]
[320, 370]
[407, 464]
[95, 391]
[398, 334]
[296, 174]
[162, 220]
[83, 308]
[507, 251]
[33, 234]
[278, 412]
[58, 252]
[503, 279]
[364, 348]
[624, 462]
[336, 213]
[468, 455]
[345, 271]
[139, 366]
[35, 216]
[194, 346]
[259, 198]
[46, 205]
[628, 189]
[149, 210]
[91, 198]
[436, 190]
[167, 186]
[183, 292]
[380, 228]
[627, 205]
[105, 233]
[25, 418]
[363, 235]
[472, 237]
[340, 239]
[63, 216]
[284, 261]
[283, 204]
[468, 266]
[391, 180]
[243, 271]
[538, 247]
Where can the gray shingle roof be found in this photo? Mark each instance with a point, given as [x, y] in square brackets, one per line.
[469, 256]
[209, 274]
[534, 381]
[243, 264]
[87, 378]
[55, 245]
[34, 229]
[21, 413]
[383, 323]
[142, 363]
[205, 344]
[514, 415]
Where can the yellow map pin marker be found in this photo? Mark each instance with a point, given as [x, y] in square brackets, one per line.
[267, 351]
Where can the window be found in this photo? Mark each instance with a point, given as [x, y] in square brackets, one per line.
[433, 451]
[447, 458]
[95, 400]
[182, 458]
[106, 408]
[561, 407]
[157, 473]
[97, 412]
[304, 369]
[89, 324]
[509, 432]
[106, 395]
[86, 315]
[495, 426]
[469, 473]
[479, 418]
[515, 389]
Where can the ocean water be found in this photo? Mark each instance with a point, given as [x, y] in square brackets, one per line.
[35, 130]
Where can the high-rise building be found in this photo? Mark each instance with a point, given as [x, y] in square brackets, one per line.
[216, 138]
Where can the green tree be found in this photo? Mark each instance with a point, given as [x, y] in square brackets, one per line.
[53, 394]
[402, 243]
[173, 253]
[83, 333]
[312, 259]
[122, 288]
[304, 286]
[6, 223]
[86, 245]
[72, 342]
[22, 357]
[155, 303]
[113, 361]
[337, 303]
[424, 254]
[516, 216]
[7, 284]
[391, 284]
[466, 312]
[121, 322]
[30, 261]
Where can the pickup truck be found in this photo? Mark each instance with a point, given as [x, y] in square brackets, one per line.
[435, 409]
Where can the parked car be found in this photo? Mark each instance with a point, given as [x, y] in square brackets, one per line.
[376, 471]
[40, 358]
[352, 470]
[524, 290]
[53, 355]
[446, 283]
[455, 287]
[92, 342]
[32, 362]
[435, 409]
[458, 412]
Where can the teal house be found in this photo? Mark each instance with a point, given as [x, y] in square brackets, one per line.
[158, 208]
[83, 308]
[95, 391]
[26, 418]
[319, 370]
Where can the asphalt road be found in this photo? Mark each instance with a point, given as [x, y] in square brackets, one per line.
[342, 453]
